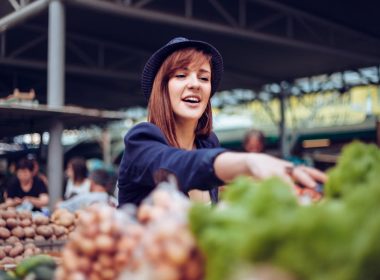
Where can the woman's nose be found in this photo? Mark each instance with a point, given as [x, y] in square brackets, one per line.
[193, 81]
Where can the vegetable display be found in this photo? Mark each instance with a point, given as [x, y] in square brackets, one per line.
[261, 223]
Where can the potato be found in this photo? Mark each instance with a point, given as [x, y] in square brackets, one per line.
[17, 250]
[28, 252]
[18, 232]
[25, 215]
[176, 254]
[86, 246]
[12, 223]
[12, 240]
[108, 273]
[84, 264]
[3, 223]
[29, 232]
[2, 253]
[45, 231]
[63, 237]
[7, 249]
[59, 230]
[19, 259]
[69, 260]
[162, 198]
[39, 238]
[66, 219]
[94, 276]
[144, 213]
[77, 276]
[7, 260]
[41, 220]
[104, 243]
[105, 260]
[4, 233]
[10, 213]
[164, 271]
[25, 222]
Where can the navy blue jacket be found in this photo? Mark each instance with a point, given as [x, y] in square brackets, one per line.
[147, 151]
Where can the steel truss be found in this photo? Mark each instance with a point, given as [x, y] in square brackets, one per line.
[279, 24]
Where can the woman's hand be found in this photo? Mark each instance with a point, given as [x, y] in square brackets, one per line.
[262, 166]
[229, 165]
[307, 176]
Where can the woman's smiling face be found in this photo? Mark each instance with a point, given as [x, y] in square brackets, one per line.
[189, 91]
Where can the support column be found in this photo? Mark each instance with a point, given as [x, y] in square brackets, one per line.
[284, 143]
[106, 146]
[55, 96]
[55, 162]
[56, 54]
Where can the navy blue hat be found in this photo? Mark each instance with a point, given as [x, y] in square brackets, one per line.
[154, 63]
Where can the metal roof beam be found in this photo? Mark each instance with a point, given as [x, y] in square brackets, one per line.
[73, 69]
[222, 11]
[28, 45]
[14, 4]
[94, 41]
[296, 12]
[23, 14]
[150, 15]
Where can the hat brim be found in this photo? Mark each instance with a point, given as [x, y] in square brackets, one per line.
[155, 61]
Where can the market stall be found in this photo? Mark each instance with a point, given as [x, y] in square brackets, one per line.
[260, 230]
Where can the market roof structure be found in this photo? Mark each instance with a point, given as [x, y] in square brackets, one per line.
[17, 119]
[108, 42]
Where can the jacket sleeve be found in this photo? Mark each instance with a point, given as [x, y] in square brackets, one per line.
[147, 151]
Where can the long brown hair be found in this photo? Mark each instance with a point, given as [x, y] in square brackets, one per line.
[160, 111]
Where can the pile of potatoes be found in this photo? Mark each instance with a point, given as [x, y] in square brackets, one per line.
[101, 246]
[152, 243]
[12, 254]
[20, 231]
[18, 226]
[168, 249]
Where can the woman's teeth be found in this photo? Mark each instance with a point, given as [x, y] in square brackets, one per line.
[192, 100]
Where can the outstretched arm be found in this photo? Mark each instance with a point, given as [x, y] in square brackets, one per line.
[229, 165]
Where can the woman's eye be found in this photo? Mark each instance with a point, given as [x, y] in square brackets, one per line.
[206, 79]
[180, 75]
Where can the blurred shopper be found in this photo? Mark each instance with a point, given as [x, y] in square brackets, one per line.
[76, 173]
[178, 80]
[25, 188]
[100, 192]
[254, 141]
[36, 170]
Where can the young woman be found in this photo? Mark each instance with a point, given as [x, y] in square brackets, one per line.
[178, 80]
[27, 188]
[77, 182]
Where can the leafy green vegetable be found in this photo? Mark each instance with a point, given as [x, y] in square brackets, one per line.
[261, 222]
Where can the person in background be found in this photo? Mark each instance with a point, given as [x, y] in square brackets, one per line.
[178, 80]
[26, 188]
[254, 141]
[36, 170]
[77, 182]
[100, 192]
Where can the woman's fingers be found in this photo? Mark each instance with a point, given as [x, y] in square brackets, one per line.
[264, 166]
[300, 176]
[315, 173]
[308, 176]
